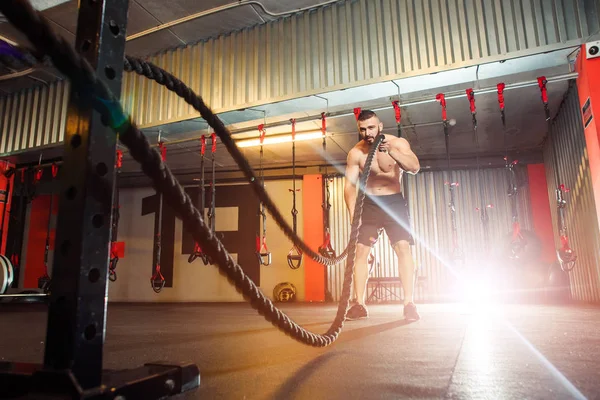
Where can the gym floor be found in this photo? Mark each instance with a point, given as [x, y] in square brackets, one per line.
[454, 352]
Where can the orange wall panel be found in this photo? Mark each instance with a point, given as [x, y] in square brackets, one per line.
[588, 86]
[540, 210]
[312, 200]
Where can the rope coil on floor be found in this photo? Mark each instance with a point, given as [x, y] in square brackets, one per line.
[21, 14]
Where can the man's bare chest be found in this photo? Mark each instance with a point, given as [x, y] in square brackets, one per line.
[382, 163]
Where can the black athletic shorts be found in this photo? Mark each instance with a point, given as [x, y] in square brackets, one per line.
[389, 212]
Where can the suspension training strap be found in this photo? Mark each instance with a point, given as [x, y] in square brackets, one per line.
[398, 116]
[262, 251]
[357, 111]
[211, 216]
[326, 250]
[456, 251]
[500, 88]
[158, 280]
[114, 247]
[198, 253]
[566, 255]
[483, 207]
[294, 257]
[471, 97]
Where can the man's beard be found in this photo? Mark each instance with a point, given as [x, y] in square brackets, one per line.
[366, 138]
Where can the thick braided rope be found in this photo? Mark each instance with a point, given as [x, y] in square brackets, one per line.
[172, 83]
[25, 18]
[164, 78]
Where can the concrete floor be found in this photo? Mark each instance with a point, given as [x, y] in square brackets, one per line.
[511, 352]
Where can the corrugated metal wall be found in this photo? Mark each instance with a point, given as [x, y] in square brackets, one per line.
[428, 202]
[33, 118]
[340, 46]
[343, 45]
[581, 218]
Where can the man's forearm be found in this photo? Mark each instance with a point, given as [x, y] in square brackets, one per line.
[350, 197]
[407, 162]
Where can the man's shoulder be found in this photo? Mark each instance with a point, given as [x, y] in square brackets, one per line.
[397, 139]
[357, 150]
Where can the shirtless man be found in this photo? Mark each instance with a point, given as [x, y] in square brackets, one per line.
[384, 205]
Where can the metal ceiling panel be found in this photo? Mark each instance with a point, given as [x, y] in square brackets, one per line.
[217, 24]
[335, 47]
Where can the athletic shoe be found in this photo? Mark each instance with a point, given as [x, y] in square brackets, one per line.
[410, 312]
[357, 311]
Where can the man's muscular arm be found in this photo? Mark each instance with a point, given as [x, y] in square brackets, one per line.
[399, 149]
[351, 184]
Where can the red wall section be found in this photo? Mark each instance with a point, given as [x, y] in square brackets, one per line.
[588, 86]
[312, 210]
[36, 239]
[540, 210]
[5, 202]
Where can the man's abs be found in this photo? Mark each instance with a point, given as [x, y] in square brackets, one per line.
[384, 184]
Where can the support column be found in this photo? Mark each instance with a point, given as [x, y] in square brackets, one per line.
[78, 300]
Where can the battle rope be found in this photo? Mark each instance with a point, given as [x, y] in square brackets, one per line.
[483, 207]
[198, 253]
[114, 247]
[566, 255]
[294, 257]
[457, 253]
[172, 83]
[29, 21]
[264, 257]
[158, 280]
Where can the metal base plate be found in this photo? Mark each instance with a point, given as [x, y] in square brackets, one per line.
[151, 381]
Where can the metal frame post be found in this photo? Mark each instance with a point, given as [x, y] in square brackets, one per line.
[78, 290]
[78, 300]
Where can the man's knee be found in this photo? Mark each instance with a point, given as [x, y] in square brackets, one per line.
[402, 247]
[362, 252]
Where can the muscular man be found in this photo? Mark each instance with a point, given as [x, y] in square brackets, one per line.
[384, 207]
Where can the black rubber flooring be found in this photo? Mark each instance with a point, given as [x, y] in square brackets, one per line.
[506, 352]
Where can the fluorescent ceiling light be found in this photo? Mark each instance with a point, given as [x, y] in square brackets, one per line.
[281, 138]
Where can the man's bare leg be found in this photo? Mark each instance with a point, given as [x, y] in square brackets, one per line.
[361, 276]
[361, 272]
[406, 267]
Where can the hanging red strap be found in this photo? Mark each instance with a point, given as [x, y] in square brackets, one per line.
[357, 111]
[323, 124]
[22, 176]
[119, 159]
[163, 151]
[261, 245]
[293, 121]
[396, 105]
[38, 175]
[441, 98]
[54, 170]
[501, 87]
[263, 132]
[471, 97]
[213, 138]
[202, 144]
[542, 81]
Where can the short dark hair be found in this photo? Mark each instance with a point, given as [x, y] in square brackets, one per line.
[365, 115]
